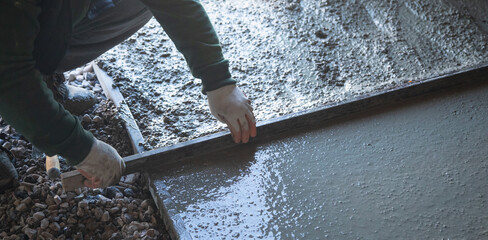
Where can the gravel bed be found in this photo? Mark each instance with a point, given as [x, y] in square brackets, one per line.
[38, 208]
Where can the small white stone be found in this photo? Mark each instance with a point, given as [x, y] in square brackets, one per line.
[31, 233]
[44, 223]
[105, 217]
[145, 204]
[97, 119]
[79, 71]
[88, 68]
[71, 76]
[40, 205]
[86, 118]
[57, 199]
[39, 216]
[85, 84]
[22, 207]
[97, 89]
[89, 76]
[82, 204]
[7, 145]
[80, 78]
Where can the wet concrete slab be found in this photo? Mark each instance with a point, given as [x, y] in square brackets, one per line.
[415, 171]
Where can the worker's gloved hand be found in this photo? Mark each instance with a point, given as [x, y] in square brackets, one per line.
[102, 167]
[229, 105]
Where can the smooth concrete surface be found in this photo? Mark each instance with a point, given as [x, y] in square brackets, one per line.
[416, 171]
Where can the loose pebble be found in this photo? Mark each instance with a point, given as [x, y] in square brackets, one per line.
[7, 145]
[85, 84]
[89, 76]
[57, 199]
[31, 233]
[55, 227]
[88, 68]
[82, 204]
[97, 119]
[114, 210]
[22, 207]
[151, 232]
[97, 88]
[129, 192]
[47, 235]
[144, 204]
[78, 71]
[40, 205]
[105, 217]
[38, 216]
[86, 119]
[71, 220]
[44, 223]
[71, 76]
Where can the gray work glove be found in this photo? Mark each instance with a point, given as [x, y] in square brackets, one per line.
[229, 105]
[102, 167]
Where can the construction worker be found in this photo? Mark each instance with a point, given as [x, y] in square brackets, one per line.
[40, 37]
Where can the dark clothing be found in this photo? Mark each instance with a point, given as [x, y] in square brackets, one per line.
[8, 173]
[42, 36]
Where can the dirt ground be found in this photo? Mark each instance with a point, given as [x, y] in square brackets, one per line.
[294, 55]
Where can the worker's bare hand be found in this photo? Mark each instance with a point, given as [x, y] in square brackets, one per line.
[229, 105]
[102, 167]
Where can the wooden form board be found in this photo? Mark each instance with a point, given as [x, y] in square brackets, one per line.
[114, 94]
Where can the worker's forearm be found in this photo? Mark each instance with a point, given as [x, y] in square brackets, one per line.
[30, 108]
[187, 24]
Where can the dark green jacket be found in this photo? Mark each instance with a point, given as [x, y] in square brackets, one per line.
[34, 36]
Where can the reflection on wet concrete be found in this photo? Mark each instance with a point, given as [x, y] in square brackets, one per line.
[414, 172]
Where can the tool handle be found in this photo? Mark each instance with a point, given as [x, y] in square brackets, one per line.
[72, 180]
[52, 167]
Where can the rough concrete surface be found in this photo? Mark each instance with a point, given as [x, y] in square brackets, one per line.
[417, 171]
[294, 55]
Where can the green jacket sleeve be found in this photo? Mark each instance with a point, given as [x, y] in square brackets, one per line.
[25, 101]
[188, 26]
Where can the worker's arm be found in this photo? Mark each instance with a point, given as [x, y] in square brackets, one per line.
[25, 101]
[187, 24]
[28, 105]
